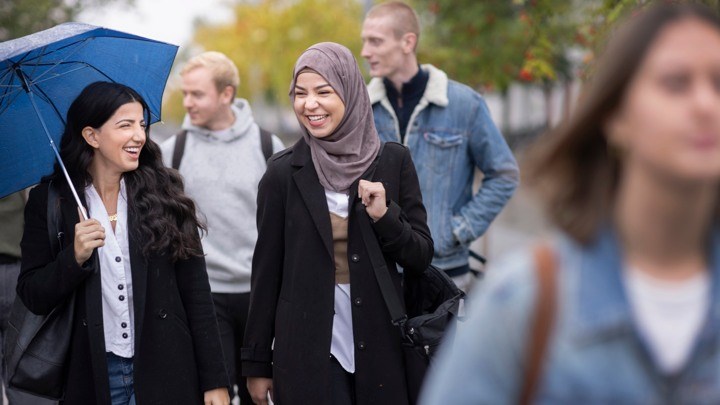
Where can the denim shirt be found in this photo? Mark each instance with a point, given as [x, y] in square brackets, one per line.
[595, 355]
[449, 134]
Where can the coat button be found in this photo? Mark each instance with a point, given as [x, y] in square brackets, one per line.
[358, 301]
[84, 322]
[355, 258]
[123, 325]
[125, 335]
[118, 259]
[121, 298]
[162, 314]
[361, 345]
[120, 286]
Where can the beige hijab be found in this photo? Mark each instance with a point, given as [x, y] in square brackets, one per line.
[344, 155]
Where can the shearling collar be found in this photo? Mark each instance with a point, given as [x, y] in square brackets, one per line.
[435, 92]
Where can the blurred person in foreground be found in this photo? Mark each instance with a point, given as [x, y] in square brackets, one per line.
[221, 162]
[319, 331]
[448, 129]
[632, 182]
[144, 328]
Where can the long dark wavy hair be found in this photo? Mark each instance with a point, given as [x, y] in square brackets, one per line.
[165, 217]
[573, 167]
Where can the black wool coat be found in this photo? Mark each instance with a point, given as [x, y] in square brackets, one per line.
[293, 280]
[177, 343]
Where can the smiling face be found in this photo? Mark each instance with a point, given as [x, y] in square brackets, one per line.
[118, 142]
[669, 119]
[318, 107]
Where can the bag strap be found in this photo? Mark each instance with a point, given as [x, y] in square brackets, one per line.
[382, 275]
[53, 220]
[180, 140]
[266, 143]
[543, 319]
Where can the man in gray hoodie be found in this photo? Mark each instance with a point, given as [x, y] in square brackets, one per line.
[222, 161]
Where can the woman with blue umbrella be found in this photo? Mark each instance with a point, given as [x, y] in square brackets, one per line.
[144, 325]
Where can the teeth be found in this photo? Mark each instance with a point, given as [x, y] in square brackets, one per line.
[133, 150]
[316, 117]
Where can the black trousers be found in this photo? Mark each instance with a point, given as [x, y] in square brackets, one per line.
[232, 313]
[343, 384]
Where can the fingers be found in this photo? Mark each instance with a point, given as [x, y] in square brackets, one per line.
[89, 235]
[369, 192]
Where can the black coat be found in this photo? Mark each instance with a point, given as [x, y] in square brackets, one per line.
[177, 343]
[293, 279]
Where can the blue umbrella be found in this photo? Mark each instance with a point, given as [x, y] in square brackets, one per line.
[42, 73]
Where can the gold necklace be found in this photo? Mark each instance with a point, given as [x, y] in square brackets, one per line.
[113, 217]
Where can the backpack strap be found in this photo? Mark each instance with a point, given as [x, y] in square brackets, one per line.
[543, 320]
[180, 140]
[266, 143]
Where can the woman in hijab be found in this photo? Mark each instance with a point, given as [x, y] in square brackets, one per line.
[314, 292]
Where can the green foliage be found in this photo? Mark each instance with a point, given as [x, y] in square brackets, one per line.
[492, 43]
[268, 36]
[22, 17]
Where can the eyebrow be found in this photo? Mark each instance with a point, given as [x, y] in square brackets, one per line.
[316, 87]
[130, 120]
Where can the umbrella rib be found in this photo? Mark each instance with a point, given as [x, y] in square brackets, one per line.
[84, 65]
[39, 57]
[46, 98]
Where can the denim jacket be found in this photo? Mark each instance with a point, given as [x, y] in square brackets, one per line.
[596, 354]
[450, 133]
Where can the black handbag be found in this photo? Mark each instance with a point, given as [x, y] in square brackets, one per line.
[433, 303]
[36, 346]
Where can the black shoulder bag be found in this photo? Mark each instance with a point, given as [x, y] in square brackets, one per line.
[36, 347]
[433, 303]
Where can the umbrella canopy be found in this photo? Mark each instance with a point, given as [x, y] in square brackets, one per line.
[42, 73]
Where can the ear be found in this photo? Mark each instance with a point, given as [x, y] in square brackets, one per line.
[91, 136]
[227, 95]
[409, 42]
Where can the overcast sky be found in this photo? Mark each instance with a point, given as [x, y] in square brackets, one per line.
[164, 20]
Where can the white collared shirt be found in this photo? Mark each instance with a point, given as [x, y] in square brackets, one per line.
[115, 274]
[342, 345]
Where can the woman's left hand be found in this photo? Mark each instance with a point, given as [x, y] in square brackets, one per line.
[372, 195]
[218, 396]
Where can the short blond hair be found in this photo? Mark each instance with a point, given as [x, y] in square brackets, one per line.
[223, 70]
[404, 17]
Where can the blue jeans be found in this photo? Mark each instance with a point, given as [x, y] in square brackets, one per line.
[120, 372]
[8, 280]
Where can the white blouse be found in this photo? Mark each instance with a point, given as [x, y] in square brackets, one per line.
[115, 274]
[343, 342]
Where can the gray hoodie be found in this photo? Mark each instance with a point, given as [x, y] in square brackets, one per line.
[221, 173]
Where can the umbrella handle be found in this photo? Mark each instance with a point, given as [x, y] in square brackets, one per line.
[83, 213]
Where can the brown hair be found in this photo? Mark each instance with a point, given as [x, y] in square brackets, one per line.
[573, 167]
[404, 17]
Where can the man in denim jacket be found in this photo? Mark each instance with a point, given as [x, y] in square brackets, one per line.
[449, 131]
